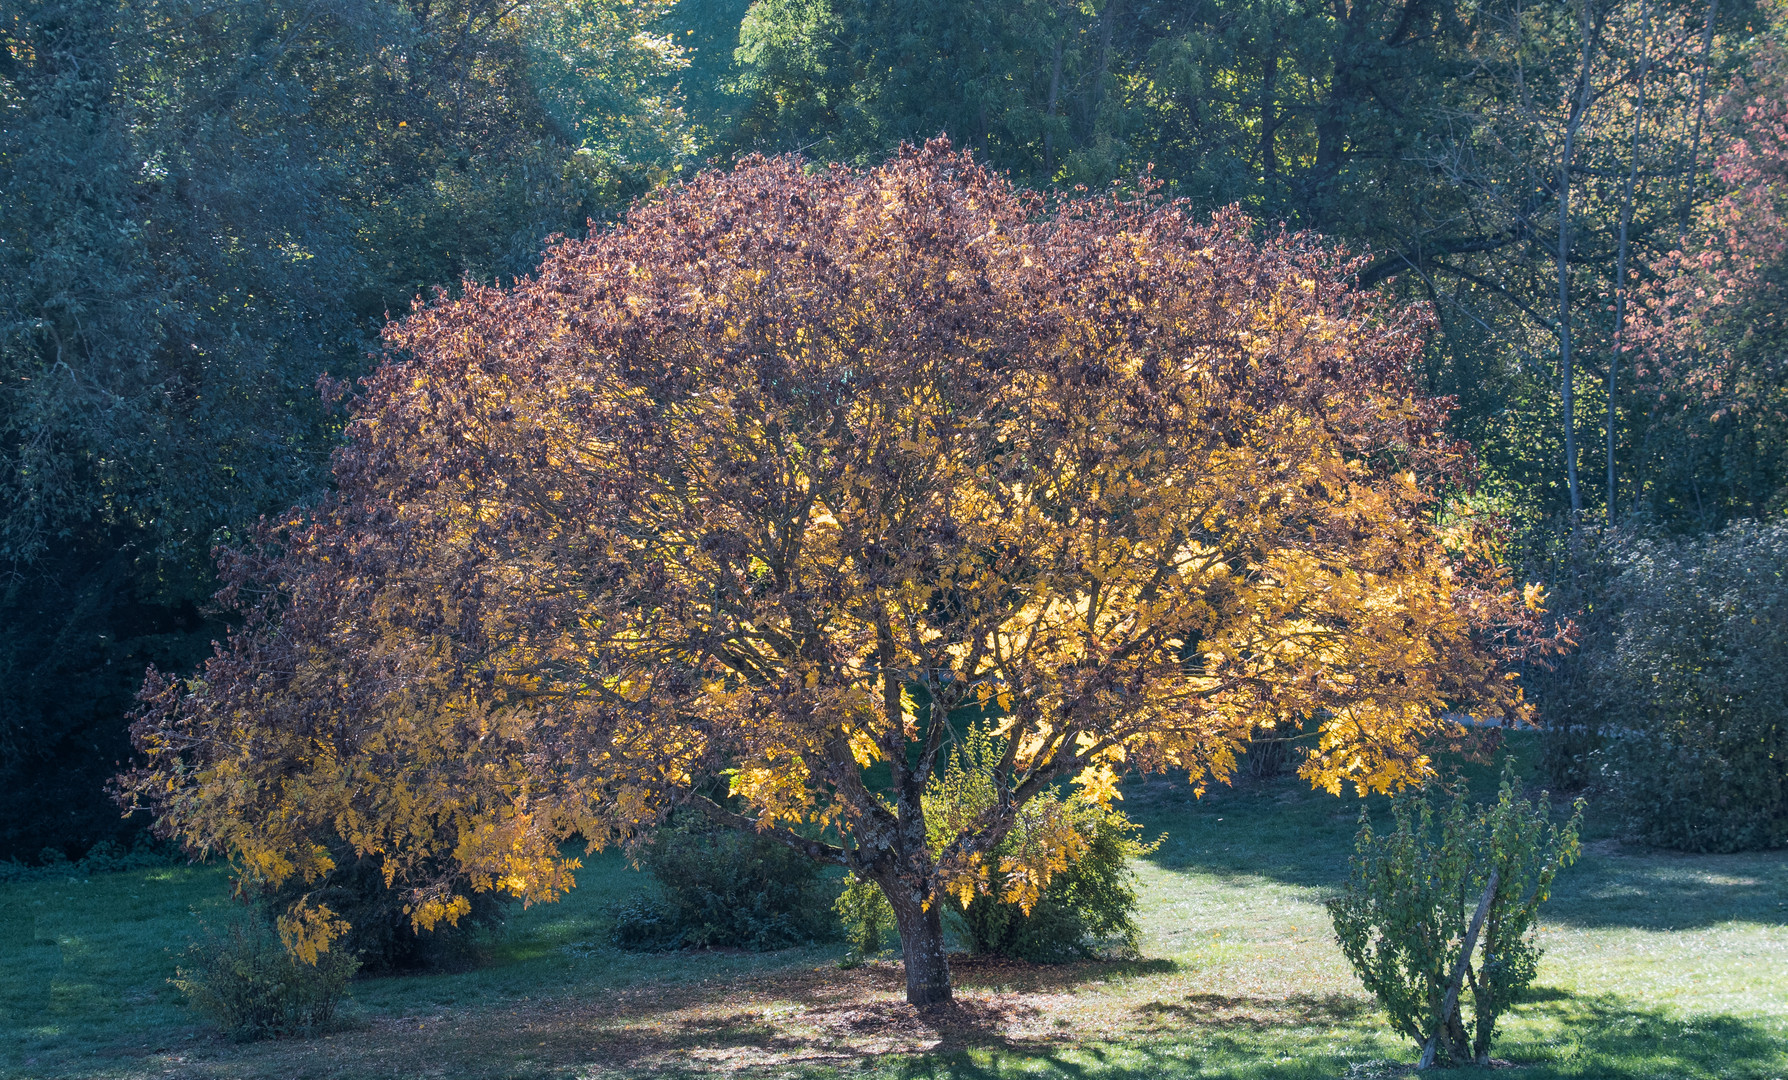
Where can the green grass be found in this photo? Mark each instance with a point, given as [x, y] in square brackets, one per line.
[1657, 965]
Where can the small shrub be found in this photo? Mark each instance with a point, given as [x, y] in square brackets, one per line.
[867, 917]
[1410, 896]
[245, 981]
[1695, 690]
[1088, 908]
[380, 932]
[722, 887]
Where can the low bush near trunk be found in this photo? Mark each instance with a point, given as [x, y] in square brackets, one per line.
[722, 888]
[1088, 907]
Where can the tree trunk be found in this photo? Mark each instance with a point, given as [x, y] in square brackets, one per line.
[1452, 1026]
[1055, 86]
[1269, 117]
[1567, 374]
[1620, 258]
[921, 946]
[1688, 191]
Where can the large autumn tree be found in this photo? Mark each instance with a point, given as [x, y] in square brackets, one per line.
[738, 505]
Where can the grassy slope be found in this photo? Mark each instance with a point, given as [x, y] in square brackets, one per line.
[1658, 965]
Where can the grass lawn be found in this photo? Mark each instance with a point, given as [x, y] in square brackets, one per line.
[1657, 965]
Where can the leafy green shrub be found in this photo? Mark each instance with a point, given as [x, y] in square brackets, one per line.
[867, 917]
[1694, 690]
[725, 888]
[245, 981]
[1404, 918]
[1087, 910]
[1089, 906]
[380, 932]
[1569, 691]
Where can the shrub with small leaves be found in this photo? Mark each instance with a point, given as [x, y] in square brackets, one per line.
[243, 979]
[1695, 690]
[382, 933]
[867, 916]
[1403, 921]
[104, 857]
[725, 888]
[1088, 906]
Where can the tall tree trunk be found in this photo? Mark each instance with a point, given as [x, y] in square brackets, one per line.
[1620, 258]
[921, 943]
[1269, 117]
[1347, 86]
[1567, 374]
[903, 865]
[1095, 97]
[1055, 88]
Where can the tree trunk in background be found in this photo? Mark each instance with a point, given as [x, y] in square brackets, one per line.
[1620, 259]
[1055, 86]
[1687, 203]
[1269, 118]
[1567, 374]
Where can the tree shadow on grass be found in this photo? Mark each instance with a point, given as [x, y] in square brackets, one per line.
[823, 1023]
[1281, 831]
[990, 972]
[1571, 1035]
[1564, 1037]
[1643, 889]
[1228, 1010]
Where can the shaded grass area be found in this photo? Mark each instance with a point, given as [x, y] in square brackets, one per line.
[1658, 965]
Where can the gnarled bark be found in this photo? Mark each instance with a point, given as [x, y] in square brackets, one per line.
[921, 944]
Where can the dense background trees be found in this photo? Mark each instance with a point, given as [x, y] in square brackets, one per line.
[204, 207]
[1521, 166]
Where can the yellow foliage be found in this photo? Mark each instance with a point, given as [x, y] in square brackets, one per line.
[782, 492]
[306, 929]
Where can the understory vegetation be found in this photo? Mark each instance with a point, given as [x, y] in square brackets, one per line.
[242, 978]
[1676, 709]
[723, 888]
[1655, 964]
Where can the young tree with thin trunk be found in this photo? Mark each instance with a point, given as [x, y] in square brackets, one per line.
[744, 505]
[1589, 28]
[1622, 245]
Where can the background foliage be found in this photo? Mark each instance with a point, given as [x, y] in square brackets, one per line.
[204, 207]
[1684, 708]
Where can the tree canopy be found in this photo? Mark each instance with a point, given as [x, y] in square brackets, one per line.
[752, 502]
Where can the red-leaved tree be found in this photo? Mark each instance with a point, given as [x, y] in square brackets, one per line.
[1710, 330]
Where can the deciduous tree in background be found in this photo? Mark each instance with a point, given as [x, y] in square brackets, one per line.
[1709, 331]
[764, 486]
